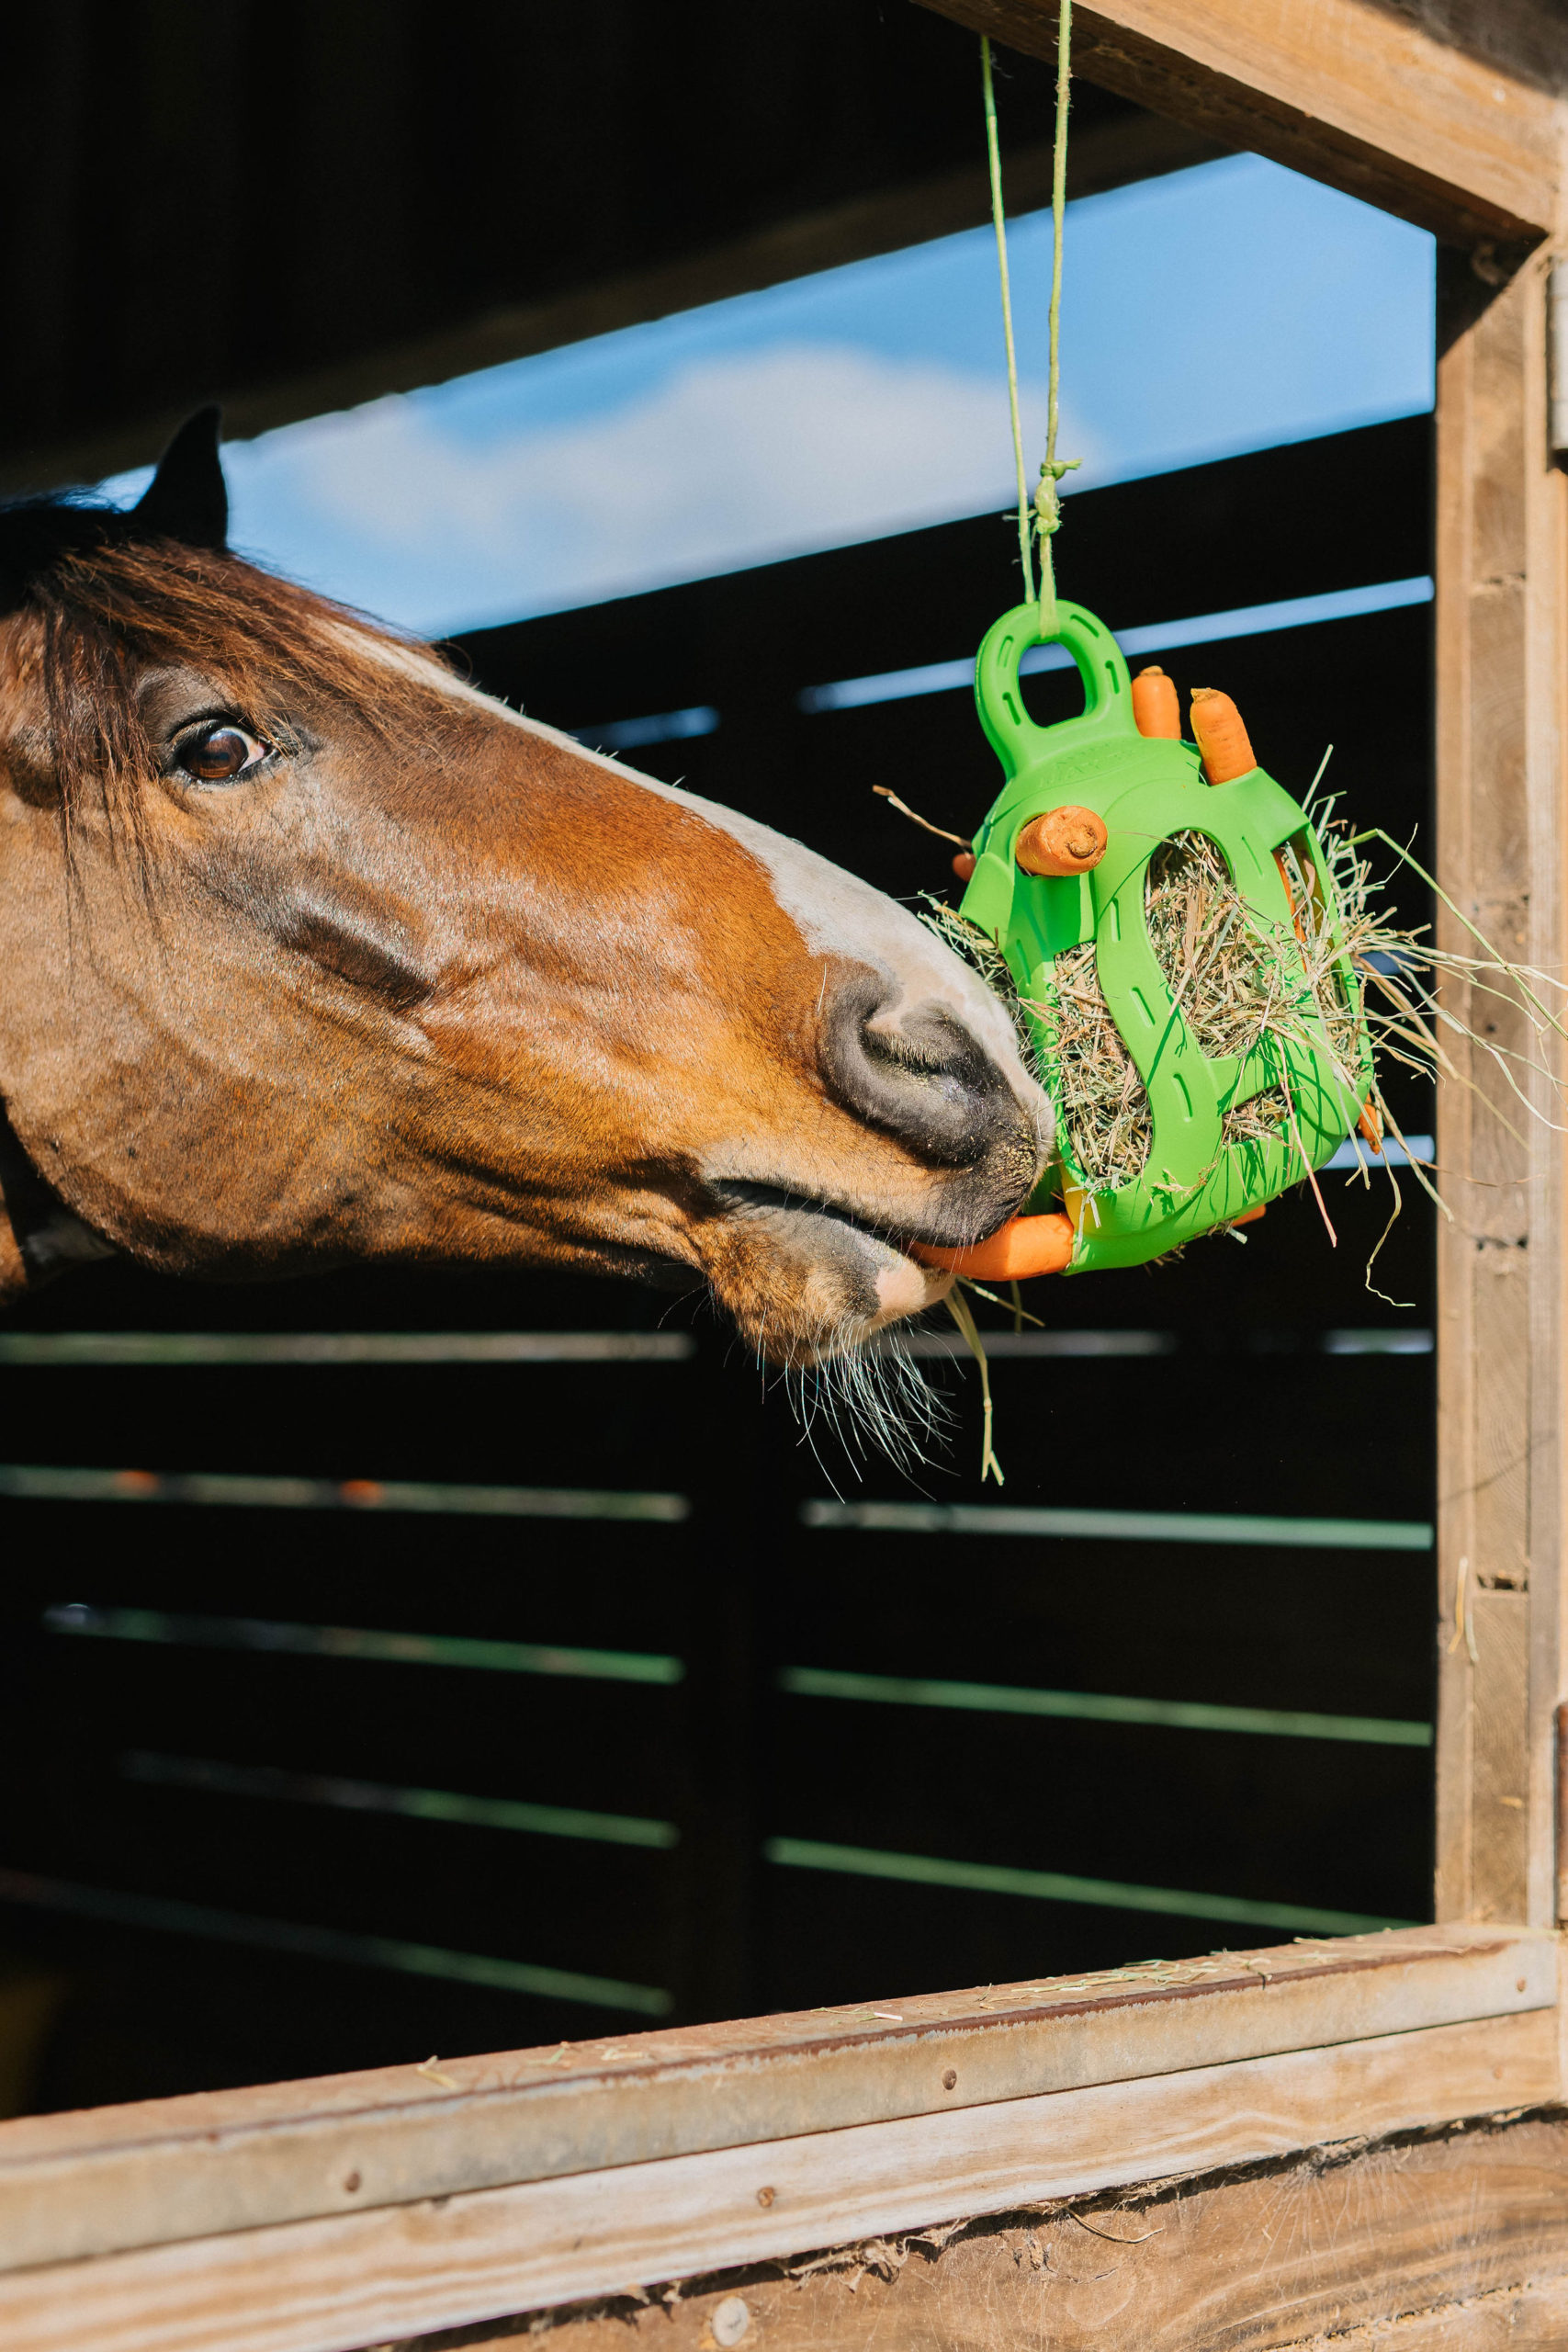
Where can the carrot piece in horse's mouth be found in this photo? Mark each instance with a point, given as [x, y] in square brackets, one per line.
[1024, 1246]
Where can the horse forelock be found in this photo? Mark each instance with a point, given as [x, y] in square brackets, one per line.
[99, 604]
[103, 608]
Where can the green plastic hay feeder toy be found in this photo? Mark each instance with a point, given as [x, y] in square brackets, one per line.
[1146, 789]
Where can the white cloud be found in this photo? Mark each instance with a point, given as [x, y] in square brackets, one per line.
[730, 460]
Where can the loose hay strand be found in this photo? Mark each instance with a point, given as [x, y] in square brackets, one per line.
[963, 1315]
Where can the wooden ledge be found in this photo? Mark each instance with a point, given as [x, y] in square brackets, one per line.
[118, 2179]
[352, 2279]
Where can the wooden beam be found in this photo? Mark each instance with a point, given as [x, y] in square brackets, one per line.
[323, 2286]
[1445, 111]
[78, 2185]
[1108, 156]
[1459, 2241]
[1501, 621]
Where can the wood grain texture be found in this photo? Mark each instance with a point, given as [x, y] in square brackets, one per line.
[1501, 1311]
[1458, 2242]
[328, 2285]
[101, 2181]
[1446, 114]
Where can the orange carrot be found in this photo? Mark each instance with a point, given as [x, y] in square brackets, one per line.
[1064, 841]
[1156, 710]
[1023, 1247]
[1219, 734]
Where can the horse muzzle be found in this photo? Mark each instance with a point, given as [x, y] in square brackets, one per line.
[919, 1075]
[815, 1260]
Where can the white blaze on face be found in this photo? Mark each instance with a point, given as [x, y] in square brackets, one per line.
[835, 912]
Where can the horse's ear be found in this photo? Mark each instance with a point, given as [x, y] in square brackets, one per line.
[186, 499]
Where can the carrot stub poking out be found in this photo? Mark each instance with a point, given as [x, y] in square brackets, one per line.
[963, 866]
[1295, 911]
[1025, 1246]
[1064, 841]
[1156, 710]
[1220, 736]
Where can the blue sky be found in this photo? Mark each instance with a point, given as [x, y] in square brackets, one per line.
[1230, 306]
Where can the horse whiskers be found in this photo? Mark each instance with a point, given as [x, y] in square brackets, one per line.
[872, 1397]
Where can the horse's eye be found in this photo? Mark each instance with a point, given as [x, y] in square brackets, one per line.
[218, 755]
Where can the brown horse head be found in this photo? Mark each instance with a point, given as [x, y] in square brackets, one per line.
[315, 955]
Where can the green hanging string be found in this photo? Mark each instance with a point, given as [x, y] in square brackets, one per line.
[998, 219]
[1047, 497]
[1047, 510]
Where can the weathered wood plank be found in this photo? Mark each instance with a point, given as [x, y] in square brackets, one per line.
[1532, 2318]
[93, 2183]
[1460, 2242]
[348, 2280]
[1445, 111]
[1500, 786]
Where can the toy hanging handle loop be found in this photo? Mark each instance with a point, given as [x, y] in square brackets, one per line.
[1015, 738]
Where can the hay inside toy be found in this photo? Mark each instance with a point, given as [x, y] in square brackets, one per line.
[1237, 978]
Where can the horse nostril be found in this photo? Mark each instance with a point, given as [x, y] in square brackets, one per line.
[921, 1076]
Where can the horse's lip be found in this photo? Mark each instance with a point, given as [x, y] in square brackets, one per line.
[747, 1195]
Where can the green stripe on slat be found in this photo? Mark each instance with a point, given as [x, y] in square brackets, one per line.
[209, 1777]
[1055, 1886]
[345, 1347]
[169, 1916]
[223, 1489]
[360, 1642]
[1121, 1526]
[1088, 1706]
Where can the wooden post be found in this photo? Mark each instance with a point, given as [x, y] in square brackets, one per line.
[1500, 660]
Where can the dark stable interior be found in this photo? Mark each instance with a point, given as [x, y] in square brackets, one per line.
[233, 1854]
[290, 203]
